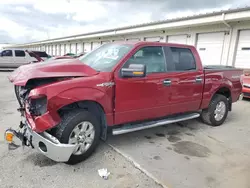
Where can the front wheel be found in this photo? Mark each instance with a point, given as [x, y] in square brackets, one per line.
[18, 90]
[217, 111]
[81, 128]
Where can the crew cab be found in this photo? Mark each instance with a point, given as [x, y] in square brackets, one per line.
[68, 106]
[13, 58]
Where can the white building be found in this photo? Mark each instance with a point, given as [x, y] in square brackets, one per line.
[221, 37]
[5, 45]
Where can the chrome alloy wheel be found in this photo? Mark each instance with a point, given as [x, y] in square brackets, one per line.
[82, 136]
[220, 111]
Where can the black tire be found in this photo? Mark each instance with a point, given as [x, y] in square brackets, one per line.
[207, 115]
[17, 92]
[69, 121]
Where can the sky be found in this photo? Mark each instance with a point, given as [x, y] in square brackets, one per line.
[24, 21]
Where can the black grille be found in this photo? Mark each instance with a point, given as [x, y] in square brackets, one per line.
[246, 94]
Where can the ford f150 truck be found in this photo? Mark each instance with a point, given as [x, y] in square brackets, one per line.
[68, 106]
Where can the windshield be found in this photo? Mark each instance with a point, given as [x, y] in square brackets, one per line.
[106, 57]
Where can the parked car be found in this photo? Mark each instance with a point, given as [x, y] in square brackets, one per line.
[59, 58]
[246, 85]
[69, 105]
[80, 54]
[41, 54]
[13, 58]
[70, 54]
[65, 57]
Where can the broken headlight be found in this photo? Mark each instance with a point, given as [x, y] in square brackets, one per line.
[38, 105]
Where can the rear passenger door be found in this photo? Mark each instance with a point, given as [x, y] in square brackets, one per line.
[186, 80]
[6, 59]
[20, 58]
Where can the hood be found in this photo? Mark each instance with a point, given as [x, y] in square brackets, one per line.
[51, 69]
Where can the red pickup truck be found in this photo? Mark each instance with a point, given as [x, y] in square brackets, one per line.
[69, 105]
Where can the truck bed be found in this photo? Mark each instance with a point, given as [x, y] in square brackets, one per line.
[220, 67]
[219, 76]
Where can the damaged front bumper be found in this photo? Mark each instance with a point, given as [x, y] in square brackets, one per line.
[44, 142]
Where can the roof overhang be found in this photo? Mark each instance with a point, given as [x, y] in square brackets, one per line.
[197, 20]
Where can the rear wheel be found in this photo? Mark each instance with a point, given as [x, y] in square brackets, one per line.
[81, 128]
[217, 111]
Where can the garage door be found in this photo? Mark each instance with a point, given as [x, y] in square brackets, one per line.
[62, 49]
[67, 48]
[242, 59]
[53, 49]
[210, 47]
[73, 48]
[55, 53]
[87, 47]
[58, 49]
[95, 45]
[153, 39]
[47, 49]
[178, 39]
[42, 48]
[79, 47]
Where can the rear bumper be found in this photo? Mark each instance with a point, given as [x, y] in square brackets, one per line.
[46, 144]
[246, 92]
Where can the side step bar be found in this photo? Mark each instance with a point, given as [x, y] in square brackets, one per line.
[131, 128]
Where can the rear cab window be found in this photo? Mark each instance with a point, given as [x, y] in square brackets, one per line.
[19, 53]
[180, 59]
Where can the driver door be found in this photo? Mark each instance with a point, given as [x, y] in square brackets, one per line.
[143, 98]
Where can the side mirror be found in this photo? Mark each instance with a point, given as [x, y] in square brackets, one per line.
[134, 70]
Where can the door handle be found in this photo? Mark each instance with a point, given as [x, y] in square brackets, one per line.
[167, 82]
[198, 79]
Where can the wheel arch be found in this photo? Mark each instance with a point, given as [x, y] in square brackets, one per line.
[225, 91]
[92, 106]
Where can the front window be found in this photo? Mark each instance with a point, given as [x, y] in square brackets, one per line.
[106, 57]
[151, 56]
[7, 53]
